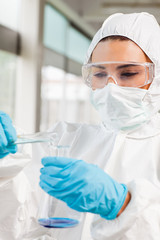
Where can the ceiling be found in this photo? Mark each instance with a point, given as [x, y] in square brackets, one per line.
[95, 12]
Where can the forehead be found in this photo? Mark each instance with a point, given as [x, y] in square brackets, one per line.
[116, 50]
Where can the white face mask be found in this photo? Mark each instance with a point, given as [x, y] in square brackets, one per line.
[121, 108]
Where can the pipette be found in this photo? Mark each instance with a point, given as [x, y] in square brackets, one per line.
[36, 137]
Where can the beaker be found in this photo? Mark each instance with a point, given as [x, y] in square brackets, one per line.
[54, 213]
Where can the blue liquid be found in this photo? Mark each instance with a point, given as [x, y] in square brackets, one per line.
[58, 222]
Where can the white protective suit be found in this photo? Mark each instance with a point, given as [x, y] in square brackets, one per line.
[129, 157]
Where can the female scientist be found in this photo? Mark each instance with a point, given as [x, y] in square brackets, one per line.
[114, 170]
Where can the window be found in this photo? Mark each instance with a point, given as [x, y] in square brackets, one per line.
[9, 18]
[64, 98]
[9, 13]
[61, 37]
[55, 26]
[77, 45]
[7, 82]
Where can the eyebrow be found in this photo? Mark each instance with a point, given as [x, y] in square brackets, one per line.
[119, 67]
[99, 66]
[125, 66]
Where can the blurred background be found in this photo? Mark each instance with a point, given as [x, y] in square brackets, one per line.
[42, 48]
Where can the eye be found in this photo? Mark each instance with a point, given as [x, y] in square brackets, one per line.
[129, 74]
[100, 74]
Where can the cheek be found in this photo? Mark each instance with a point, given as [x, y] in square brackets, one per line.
[146, 86]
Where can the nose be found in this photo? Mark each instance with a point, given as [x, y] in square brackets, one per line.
[111, 79]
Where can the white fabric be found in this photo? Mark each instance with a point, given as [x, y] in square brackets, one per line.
[121, 108]
[132, 158]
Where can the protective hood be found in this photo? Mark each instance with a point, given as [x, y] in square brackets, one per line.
[143, 29]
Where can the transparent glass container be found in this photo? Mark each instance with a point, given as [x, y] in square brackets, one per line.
[54, 213]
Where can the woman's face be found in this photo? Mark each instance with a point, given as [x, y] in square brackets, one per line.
[116, 50]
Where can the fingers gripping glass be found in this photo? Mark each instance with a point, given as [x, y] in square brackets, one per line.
[125, 74]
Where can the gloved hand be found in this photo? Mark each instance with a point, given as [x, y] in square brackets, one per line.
[7, 135]
[84, 187]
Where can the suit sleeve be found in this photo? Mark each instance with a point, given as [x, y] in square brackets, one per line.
[140, 219]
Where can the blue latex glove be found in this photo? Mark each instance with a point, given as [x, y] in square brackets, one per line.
[84, 187]
[7, 135]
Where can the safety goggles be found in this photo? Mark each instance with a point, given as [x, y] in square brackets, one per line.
[125, 74]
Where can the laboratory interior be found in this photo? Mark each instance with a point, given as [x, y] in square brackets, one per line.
[42, 49]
